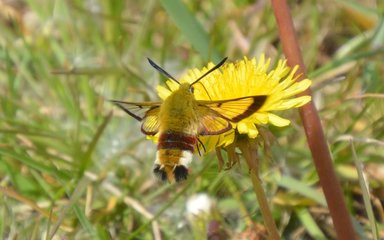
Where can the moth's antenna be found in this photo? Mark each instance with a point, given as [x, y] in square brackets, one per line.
[211, 70]
[158, 68]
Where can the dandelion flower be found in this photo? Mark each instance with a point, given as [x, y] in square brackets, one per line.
[246, 78]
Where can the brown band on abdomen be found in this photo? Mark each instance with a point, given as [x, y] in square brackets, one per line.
[179, 141]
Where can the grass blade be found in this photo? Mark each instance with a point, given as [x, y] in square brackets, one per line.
[309, 224]
[366, 195]
[300, 187]
[191, 28]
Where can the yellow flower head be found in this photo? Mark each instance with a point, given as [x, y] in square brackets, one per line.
[241, 79]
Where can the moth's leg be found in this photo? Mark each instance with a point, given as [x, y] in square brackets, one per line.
[233, 157]
[198, 149]
[197, 146]
[220, 159]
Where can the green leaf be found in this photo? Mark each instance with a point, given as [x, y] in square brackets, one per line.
[302, 188]
[191, 28]
[309, 223]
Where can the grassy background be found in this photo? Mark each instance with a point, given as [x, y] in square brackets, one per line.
[64, 158]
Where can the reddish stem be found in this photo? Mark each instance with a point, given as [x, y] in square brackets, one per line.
[313, 129]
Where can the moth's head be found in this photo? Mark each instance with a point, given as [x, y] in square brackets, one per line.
[186, 88]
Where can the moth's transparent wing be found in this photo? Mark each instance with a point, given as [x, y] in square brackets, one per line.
[215, 116]
[145, 112]
[210, 122]
[151, 122]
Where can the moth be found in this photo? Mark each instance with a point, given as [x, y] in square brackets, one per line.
[181, 119]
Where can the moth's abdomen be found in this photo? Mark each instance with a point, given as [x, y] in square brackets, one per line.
[174, 153]
[180, 141]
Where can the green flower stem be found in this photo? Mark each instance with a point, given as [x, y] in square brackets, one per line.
[263, 203]
[249, 151]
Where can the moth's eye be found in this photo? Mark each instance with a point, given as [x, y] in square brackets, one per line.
[191, 89]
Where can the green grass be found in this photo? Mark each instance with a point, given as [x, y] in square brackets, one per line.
[69, 168]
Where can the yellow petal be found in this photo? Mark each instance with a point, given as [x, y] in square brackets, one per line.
[248, 128]
[163, 92]
[293, 103]
[242, 127]
[252, 131]
[297, 88]
[172, 85]
[260, 118]
[278, 121]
